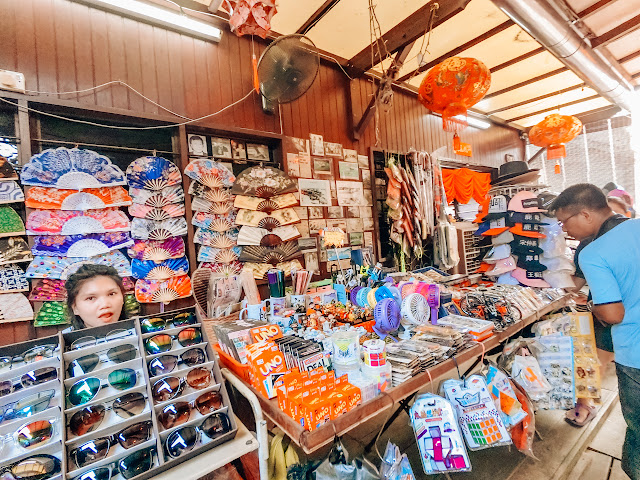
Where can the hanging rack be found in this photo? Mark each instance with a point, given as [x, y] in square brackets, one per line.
[511, 190]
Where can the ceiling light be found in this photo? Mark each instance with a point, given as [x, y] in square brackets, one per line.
[161, 16]
[475, 122]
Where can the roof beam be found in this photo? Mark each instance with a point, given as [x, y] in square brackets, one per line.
[408, 31]
[317, 16]
[629, 57]
[471, 43]
[527, 82]
[536, 99]
[594, 8]
[520, 58]
[544, 110]
[616, 32]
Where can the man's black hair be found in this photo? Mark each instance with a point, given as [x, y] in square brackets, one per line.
[580, 196]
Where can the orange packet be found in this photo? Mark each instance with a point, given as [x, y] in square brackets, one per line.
[265, 333]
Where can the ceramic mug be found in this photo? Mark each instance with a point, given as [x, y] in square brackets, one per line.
[274, 306]
[298, 303]
[251, 312]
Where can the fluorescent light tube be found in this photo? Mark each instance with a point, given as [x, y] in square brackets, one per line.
[476, 122]
[161, 16]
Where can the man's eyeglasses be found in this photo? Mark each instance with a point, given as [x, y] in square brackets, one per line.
[564, 222]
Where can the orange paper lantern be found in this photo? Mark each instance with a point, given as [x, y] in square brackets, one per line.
[452, 87]
[252, 17]
[553, 132]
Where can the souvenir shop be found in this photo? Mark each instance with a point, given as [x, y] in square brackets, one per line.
[289, 274]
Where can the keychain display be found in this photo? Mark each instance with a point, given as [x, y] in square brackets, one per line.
[556, 362]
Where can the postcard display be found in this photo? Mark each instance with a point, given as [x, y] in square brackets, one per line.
[80, 398]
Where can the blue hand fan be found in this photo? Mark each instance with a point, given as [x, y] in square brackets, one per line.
[150, 270]
[153, 173]
[80, 246]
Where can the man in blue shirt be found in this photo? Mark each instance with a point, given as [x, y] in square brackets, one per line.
[611, 266]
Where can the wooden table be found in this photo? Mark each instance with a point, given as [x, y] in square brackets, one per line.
[310, 441]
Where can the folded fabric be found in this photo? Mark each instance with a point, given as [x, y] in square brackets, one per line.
[156, 213]
[150, 270]
[157, 250]
[153, 173]
[14, 250]
[71, 168]
[155, 291]
[10, 192]
[15, 307]
[12, 279]
[56, 222]
[51, 313]
[62, 267]
[7, 172]
[144, 229]
[82, 246]
[218, 255]
[90, 199]
[10, 222]
[47, 290]
[158, 198]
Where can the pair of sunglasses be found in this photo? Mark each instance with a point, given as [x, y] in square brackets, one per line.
[34, 377]
[156, 324]
[27, 406]
[179, 412]
[98, 449]
[34, 354]
[37, 467]
[168, 363]
[129, 467]
[168, 388]
[186, 438]
[90, 417]
[88, 363]
[31, 435]
[85, 390]
[90, 341]
[163, 342]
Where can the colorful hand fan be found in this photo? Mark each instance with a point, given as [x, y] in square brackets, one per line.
[286, 251]
[224, 269]
[156, 213]
[10, 222]
[259, 270]
[276, 219]
[128, 284]
[72, 222]
[15, 307]
[264, 182]
[150, 270]
[218, 195]
[90, 199]
[217, 255]
[160, 198]
[200, 286]
[62, 267]
[7, 172]
[51, 313]
[144, 229]
[71, 168]
[47, 290]
[80, 246]
[215, 239]
[10, 192]
[12, 279]
[217, 223]
[201, 205]
[153, 173]
[209, 173]
[265, 205]
[13, 250]
[157, 250]
[262, 236]
[154, 291]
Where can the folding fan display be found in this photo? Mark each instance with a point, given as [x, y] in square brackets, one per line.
[14, 250]
[216, 239]
[89, 199]
[150, 270]
[201, 205]
[210, 173]
[155, 291]
[51, 313]
[82, 246]
[259, 254]
[62, 267]
[7, 172]
[265, 205]
[159, 198]
[153, 173]
[12, 279]
[71, 168]
[223, 269]
[218, 255]
[157, 250]
[261, 236]
[156, 213]
[10, 192]
[15, 307]
[48, 289]
[217, 223]
[10, 222]
[263, 182]
[259, 270]
[275, 219]
[72, 222]
[219, 195]
[143, 229]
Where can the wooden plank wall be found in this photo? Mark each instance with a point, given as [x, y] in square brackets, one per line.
[63, 46]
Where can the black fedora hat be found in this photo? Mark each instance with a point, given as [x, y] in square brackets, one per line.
[514, 172]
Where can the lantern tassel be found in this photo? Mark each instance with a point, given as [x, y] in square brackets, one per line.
[558, 168]
[456, 142]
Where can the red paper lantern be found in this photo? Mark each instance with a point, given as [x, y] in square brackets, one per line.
[453, 86]
[250, 17]
[553, 132]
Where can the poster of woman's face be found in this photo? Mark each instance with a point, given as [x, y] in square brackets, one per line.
[238, 151]
[220, 147]
[197, 145]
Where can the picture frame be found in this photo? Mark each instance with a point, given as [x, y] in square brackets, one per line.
[332, 149]
[356, 238]
[317, 145]
[238, 150]
[258, 151]
[350, 194]
[220, 147]
[314, 193]
[323, 166]
[349, 171]
[363, 161]
[350, 155]
[315, 212]
[197, 145]
[296, 145]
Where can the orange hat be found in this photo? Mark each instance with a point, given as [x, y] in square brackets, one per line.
[484, 210]
[483, 267]
[531, 230]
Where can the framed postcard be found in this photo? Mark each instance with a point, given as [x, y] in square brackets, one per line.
[311, 261]
[340, 223]
[352, 212]
[334, 212]
[350, 155]
[349, 171]
[334, 254]
[368, 239]
[356, 238]
[368, 198]
[315, 212]
[363, 161]
[333, 149]
[355, 224]
[366, 212]
[323, 166]
[293, 165]
[296, 145]
[317, 145]
[366, 178]
[305, 165]
[367, 223]
[350, 194]
[220, 147]
[197, 145]
[303, 228]
[314, 193]
[302, 213]
[238, 151]
[308, 244]
[316, 225]
[257, 151]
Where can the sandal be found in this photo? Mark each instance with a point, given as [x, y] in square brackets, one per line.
[573, 419]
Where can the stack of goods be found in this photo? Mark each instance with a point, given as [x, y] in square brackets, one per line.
[75, 194]
[453, 340]
[560, 267]
[409, 357]
[477, 329]
[214, 216]
[158, 256]
[265, 199]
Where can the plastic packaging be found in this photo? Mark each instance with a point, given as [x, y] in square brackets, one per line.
[504, 397]
[526, 371]
[346, 347]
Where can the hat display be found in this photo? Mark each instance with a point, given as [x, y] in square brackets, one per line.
[554, 246]
[497, 207]
[507, 279]
[484, 210]
[498, 252]
[558, 264]
[523, 245]
[483, 268]
[530, 279]
[502, 266]
[511, 173]
[519, 217]
[558, 279]
[496, 227]
[546, 199]
[531, 263]
[482, 228]
[531, 230]
[525, 202]
[504, 237]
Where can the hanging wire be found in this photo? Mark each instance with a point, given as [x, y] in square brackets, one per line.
[423, 52]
